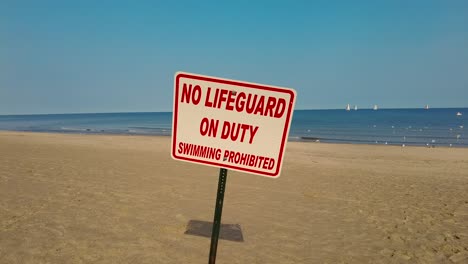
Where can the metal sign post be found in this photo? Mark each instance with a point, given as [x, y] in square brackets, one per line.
[217, 215]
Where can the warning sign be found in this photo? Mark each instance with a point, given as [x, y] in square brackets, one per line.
[231, 124]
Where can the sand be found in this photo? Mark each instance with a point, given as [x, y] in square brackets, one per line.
[122, 199]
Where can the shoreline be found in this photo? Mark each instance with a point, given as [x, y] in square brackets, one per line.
[290, 139]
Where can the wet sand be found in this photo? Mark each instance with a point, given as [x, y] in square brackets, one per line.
[122, 199]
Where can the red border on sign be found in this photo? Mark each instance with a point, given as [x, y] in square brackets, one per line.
[237, 83]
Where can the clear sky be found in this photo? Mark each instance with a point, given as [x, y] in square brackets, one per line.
[116, 56]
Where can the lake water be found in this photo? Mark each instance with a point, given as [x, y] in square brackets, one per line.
[434, 127]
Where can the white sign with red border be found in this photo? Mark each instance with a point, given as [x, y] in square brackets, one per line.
[231, 124]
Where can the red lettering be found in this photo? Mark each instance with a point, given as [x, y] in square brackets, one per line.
[253, 131]
[260, 158]
[250, 106]
[244, 159]
[215, 101]
[196, 96]
[207, 98]
[209, 127]
[187, 148]
[226, 129]
[280, 107]
[181, 147]
[259, 108]
[231, 156]
[234, 135]
[186, 92]
[230, 100]
[252, 160]
[270, 105]
[222, 97]
[272, 164]
[204, 126]
[213, 128]
[265, 163]
[244, 128]
[237, 157]
[240, 102]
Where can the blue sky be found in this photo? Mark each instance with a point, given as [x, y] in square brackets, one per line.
[116, 56]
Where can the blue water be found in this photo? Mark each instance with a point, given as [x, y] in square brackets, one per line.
[433, 127]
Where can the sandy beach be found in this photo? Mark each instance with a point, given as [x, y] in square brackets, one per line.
[122, 199]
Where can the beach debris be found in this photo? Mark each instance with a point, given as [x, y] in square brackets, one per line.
[403, 145]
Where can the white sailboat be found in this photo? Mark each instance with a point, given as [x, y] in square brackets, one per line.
[426, 107]
[375, 107]
[348, 108]
[355, 108]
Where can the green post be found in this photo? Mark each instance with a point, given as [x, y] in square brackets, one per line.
[217, 215]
